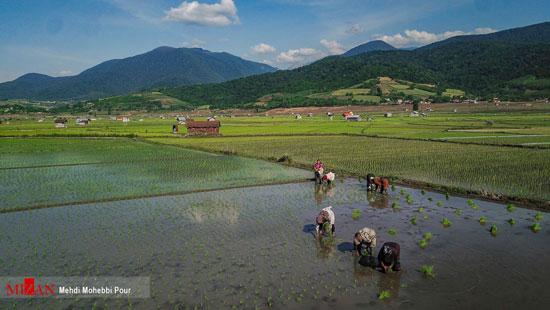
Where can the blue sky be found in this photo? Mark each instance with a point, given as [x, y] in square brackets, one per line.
[58, 38]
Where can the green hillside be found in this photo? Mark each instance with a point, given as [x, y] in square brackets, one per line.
[482, 69]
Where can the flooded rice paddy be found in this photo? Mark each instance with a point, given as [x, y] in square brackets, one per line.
[253, 248]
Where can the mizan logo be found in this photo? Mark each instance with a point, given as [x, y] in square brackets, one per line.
[29, 288]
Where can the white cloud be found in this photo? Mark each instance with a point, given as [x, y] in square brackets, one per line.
[415, 37]
[262, 48]
[64, 73]
[299, 55]
[194, 43]
[355, 29]
[268, 62]
[217, 14]
[483, 30]
[333, 47]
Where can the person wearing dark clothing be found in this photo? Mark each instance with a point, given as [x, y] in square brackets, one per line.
[382, 183]
[389, 257]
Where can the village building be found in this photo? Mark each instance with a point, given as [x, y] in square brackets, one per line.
[414, 114]
[387, 114]
[310, 115]
[349, 113]
[60, 123]
[181, 120]
[298, 116]
[203, 127]
[82, 121]
[353, 118]
[211, 119]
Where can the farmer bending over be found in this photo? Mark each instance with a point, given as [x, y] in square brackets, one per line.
[370, 182]
[318, 171]
[325, 222]
[365, 236]
[389, 257]
[329, 178]
[382, 183]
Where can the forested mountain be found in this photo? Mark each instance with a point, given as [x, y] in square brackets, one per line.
[377, 45]
[161, 67]
[510, 70]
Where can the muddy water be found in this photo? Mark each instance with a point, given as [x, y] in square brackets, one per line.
[254, 247]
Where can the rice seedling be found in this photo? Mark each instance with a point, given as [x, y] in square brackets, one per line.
[458, 212]
[427, 271]
[341, 180]
[474, 207]
[423, 192]
[356, 214]
[420, 210]
[439, 204]
[393, 188]
[428, 236]
[392, 232]
[447, 196]
[535, 227]
[422, 243]
[493, 229]
[539, 216]
[402, 192]
[482, 220]
[383, 295]
[446, 222]
[425, 217]
[414, 220]
[511, 221]
[395, 205]
[430, 199]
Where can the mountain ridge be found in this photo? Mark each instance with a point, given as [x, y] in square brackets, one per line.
[162, 67]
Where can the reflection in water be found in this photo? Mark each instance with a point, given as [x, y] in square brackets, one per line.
[390, 282]
[362, 270]
[325, 247]
[321, 190]
[378, 201]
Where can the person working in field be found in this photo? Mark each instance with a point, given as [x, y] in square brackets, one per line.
[382, 184]
[370, 182]
[329, 178]
[389, 257]
[366, 236]
[325, 222]
[318, 167]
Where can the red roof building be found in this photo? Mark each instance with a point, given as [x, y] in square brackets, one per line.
[203, 127]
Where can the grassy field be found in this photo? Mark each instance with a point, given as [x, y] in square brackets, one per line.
[520, 127]
[500, 170]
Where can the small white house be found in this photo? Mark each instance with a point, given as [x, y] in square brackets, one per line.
[60, 123]
[387, 114]
[298, 116]
[211, 119]
[125, 119]
[414, 114]
[310, 115]
[353, 118]
[181, 120]
[82, 121]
